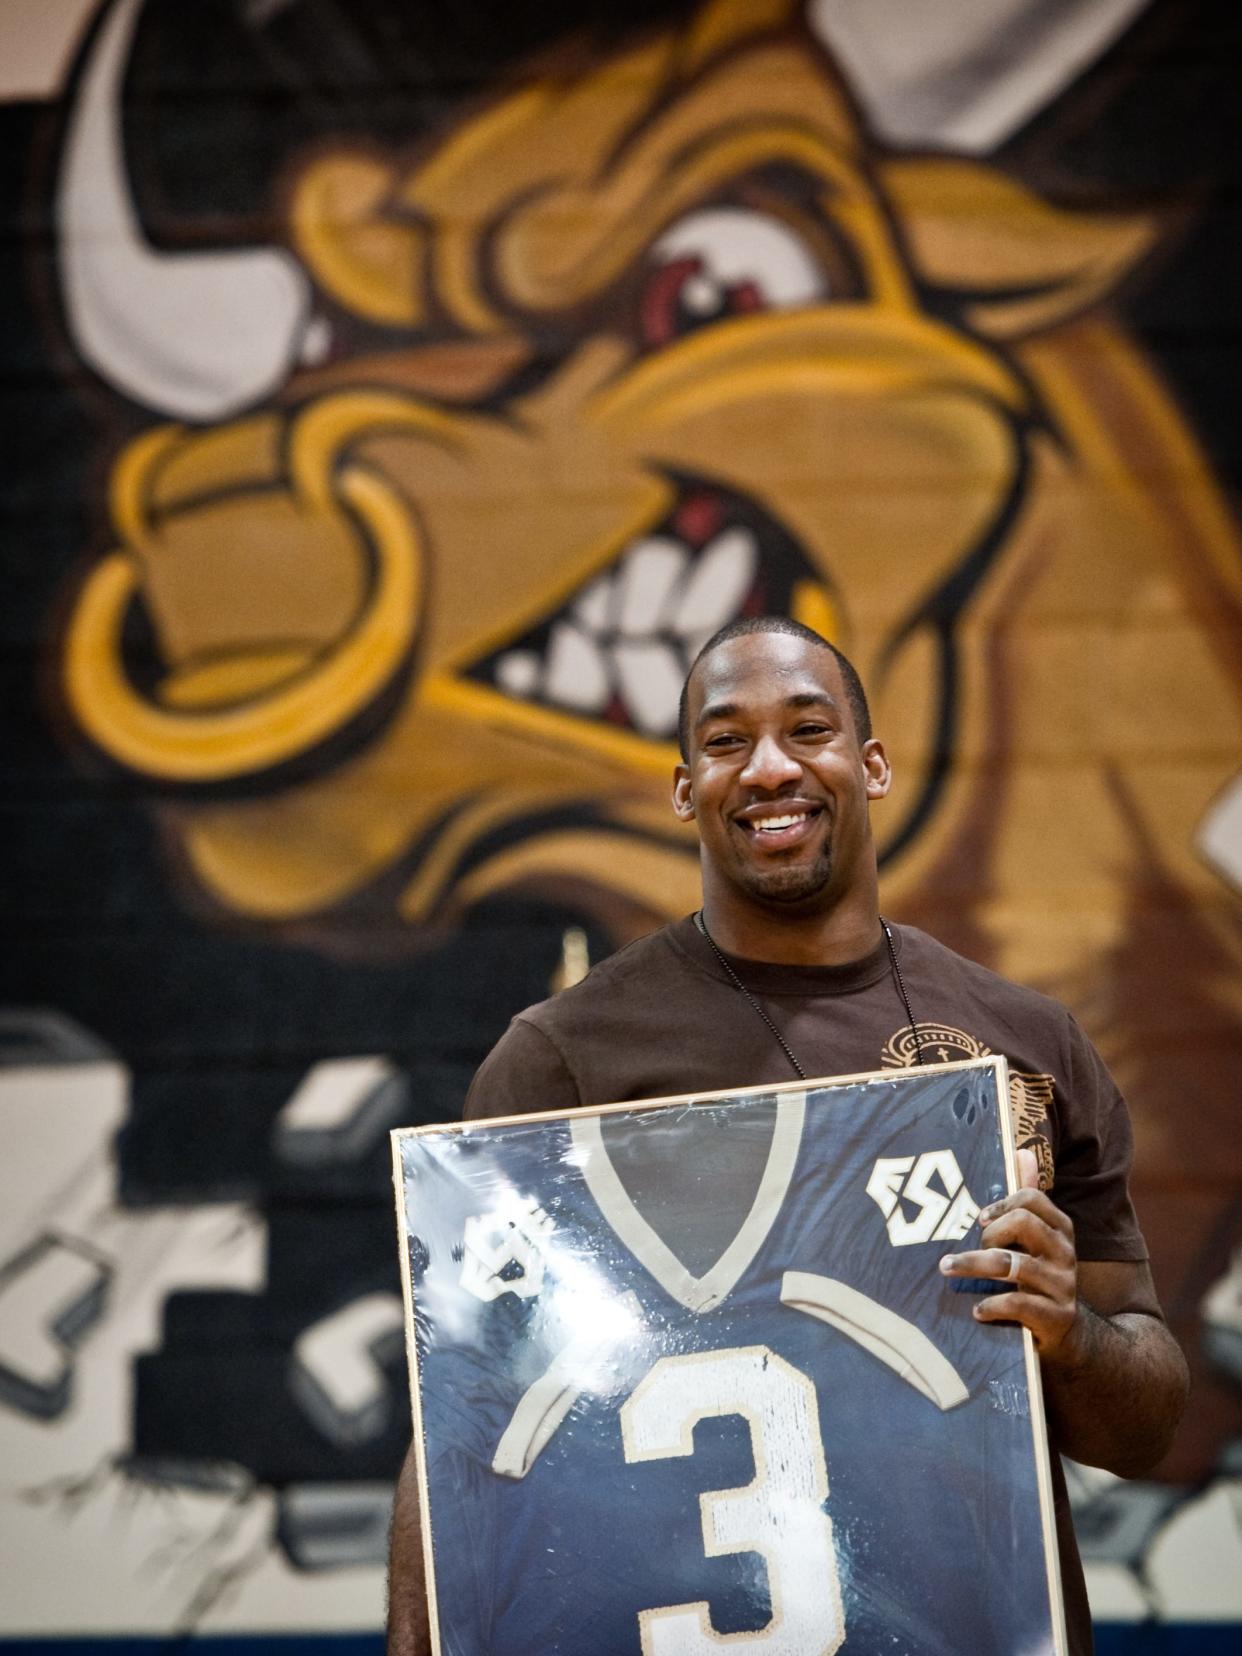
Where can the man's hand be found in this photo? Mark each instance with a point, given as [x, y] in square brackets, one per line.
[1029, 1242]
[1115, 1380]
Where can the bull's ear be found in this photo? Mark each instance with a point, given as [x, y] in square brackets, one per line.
[1013, 263]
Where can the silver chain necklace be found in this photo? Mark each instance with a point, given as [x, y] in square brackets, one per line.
[798, 1070]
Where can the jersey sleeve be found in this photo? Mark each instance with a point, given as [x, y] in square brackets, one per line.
[522, 1074]
[1093, 1160]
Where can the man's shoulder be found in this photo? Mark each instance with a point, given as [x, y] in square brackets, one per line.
[928, 957]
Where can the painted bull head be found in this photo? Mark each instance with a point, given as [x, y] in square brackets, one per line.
[654, 340]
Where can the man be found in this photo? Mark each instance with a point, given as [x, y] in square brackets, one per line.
[788, 970]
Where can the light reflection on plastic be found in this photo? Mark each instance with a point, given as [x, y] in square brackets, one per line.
[602, 1325]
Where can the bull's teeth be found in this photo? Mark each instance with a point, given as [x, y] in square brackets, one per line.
[780, 821]
[517, 672]
[651, 570]
[650, 677]
[576, 674]
[592, 607]
[612, 639]
[722, 576]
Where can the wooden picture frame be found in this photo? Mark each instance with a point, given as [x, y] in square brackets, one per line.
[686, 1378]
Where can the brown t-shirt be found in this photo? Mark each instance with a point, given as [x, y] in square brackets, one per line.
[661, 1017]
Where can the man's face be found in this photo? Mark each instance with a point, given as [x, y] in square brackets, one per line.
[777, 781]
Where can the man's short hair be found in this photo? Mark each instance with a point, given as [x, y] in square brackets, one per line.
[742, 628]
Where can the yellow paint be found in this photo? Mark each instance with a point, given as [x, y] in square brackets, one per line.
[217, 745]
[295, 562]
[814, 607]
[621, 749]
[654, 876]
[342, 222]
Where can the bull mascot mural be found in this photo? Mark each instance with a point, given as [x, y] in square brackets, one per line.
[657, 341]
[437, 498]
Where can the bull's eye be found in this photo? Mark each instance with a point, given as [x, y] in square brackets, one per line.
[725, 261]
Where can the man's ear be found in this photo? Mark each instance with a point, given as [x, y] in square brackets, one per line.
[876, 768]
[683, 799]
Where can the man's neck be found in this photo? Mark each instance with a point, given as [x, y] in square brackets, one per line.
[830, 937]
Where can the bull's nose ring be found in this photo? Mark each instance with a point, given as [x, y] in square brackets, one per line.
[264, 731]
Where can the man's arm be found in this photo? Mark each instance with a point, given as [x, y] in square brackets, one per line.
[1115, 1380]
[408, 1631]
[1117, 1385]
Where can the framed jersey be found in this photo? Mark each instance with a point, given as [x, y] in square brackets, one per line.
[686, 1378]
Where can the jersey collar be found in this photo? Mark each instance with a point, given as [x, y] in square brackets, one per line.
[696, 1293]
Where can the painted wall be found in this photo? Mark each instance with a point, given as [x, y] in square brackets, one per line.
[396, 401]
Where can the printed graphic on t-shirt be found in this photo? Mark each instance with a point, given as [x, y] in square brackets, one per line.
[1030, 1095]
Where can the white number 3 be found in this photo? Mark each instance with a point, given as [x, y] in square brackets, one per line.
[779, 1514]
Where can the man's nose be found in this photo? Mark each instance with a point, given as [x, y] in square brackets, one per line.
[770, 766]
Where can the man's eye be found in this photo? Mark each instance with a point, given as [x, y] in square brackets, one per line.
[726, 261]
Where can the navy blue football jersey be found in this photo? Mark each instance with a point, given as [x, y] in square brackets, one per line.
[809, 1446]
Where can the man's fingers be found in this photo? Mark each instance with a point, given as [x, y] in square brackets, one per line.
[1047, 1322]
[997, 1264]
[1028, 1250]
[1030, 1231]
[980, 1262]
[1028, 1201]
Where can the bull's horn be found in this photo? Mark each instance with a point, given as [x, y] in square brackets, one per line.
[194, 335]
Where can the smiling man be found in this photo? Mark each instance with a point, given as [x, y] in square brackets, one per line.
[779, 769]
[790, 969]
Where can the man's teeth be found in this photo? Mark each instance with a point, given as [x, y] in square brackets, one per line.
[771, 824]
[633, 631]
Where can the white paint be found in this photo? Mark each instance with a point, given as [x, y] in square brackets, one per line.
[702, 295]
[1221, 1306]
[316, 342]
[575, 673]
[195, 335]
[650, 678]
[1114, 1593]
[517, 673]
[964, 74]
[738, 244]
[339, 1352]
[649, 572]
[1218, 838]
[36, 1298]
[332, 1092]
[720, 579]
[594, 606]
[127, 1549]
[57, 1123]
[1194, 1564]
